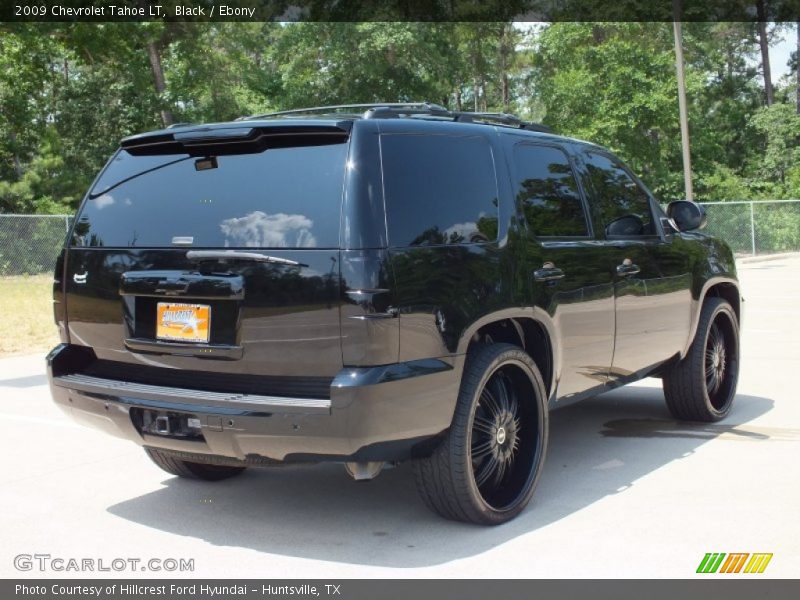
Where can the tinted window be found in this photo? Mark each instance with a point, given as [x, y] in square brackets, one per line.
[279, 198]
[440, 189]
[547, 192]
[624, 206]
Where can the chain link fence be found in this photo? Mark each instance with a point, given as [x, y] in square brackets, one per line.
[29, 244]
[756, 227]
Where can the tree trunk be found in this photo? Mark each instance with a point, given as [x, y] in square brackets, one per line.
[504, 55]
[18, 171]
[475, 74]
[797, 66]
[506, 98]
[158, 79]
[764, 43]
[458, 99]
[598, 34]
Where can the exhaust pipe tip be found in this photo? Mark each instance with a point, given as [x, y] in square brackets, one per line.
[364, 471]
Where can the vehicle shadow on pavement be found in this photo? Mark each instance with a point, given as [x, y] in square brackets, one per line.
[25, 382]
[598, 448]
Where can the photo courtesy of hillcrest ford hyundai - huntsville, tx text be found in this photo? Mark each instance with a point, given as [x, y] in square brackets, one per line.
[372, 284]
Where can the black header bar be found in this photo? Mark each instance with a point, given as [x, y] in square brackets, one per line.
[394, 10]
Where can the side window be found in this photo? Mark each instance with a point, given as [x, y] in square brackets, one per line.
[439, 189]
[624, 206]
[547, 192]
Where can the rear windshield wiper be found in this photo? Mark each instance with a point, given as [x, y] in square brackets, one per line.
[94, 193]
[206, 255]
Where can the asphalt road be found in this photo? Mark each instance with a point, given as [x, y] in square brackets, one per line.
[626, 491]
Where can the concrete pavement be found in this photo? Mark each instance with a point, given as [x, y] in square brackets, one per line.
[626, 491]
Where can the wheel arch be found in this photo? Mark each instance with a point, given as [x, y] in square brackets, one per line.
[726, 288]
[529, 329]
[727, 291]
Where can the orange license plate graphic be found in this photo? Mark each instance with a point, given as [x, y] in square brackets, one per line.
[183, 322]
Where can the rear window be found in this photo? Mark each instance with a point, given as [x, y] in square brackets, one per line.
[439, 189]
[278, 198]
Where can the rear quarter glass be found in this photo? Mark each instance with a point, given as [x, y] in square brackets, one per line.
[278, 198]
[439, 189]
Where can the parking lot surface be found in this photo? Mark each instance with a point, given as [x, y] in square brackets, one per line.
[626, 491]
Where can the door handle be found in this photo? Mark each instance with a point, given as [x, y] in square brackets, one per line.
[548, 272]
[628, 267]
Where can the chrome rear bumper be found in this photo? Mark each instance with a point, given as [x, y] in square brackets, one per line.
[196, 401]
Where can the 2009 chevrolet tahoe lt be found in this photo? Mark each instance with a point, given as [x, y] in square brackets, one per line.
[374, 284]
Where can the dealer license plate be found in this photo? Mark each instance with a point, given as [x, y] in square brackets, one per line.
[181, 322]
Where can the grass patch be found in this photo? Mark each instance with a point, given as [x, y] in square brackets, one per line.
[26, 314]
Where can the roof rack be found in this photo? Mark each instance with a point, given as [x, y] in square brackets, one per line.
[389, 110]
[396, 108]
[500, 119]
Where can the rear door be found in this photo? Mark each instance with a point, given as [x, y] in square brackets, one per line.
[220, 257]
[569, 273]
[442, 207]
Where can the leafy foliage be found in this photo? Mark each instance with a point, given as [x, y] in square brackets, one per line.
[70, 91]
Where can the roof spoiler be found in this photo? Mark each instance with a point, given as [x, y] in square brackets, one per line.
[239, 138]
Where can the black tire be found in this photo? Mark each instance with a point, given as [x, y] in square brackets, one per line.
[191, 470]
[701, 387]
[458, 481]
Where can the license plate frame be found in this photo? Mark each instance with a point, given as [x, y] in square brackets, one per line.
[183, 322]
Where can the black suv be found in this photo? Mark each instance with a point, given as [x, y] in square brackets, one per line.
[374, 284]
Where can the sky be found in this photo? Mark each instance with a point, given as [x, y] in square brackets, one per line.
[780, 51]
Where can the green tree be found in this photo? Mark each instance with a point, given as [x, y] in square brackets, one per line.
[614, 84]
[396, 62]
[70, 91]
[779, 126]
[26, 80]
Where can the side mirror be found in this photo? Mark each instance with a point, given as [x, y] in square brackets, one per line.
[687, 215]
[625, 226]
